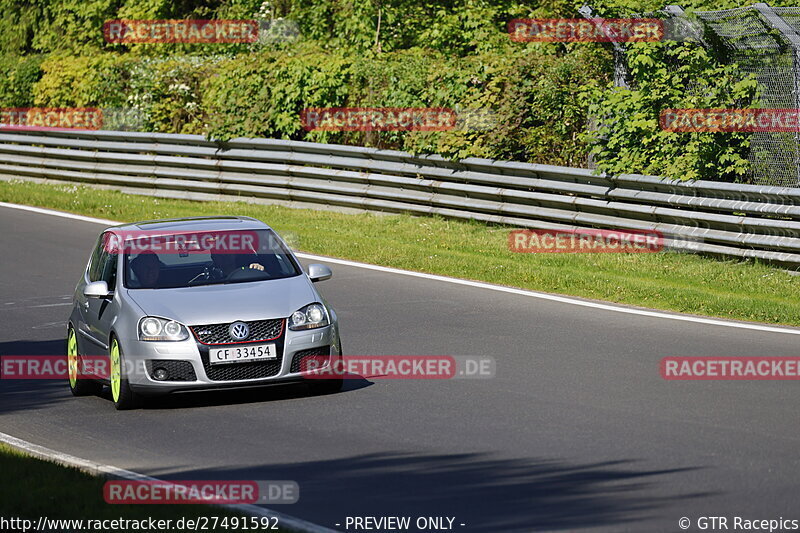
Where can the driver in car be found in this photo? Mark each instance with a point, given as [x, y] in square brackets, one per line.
[147, 269]
[227, 263]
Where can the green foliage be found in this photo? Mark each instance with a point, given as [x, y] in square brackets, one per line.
[262, 94]
[21, 21]
[18, 75]
[540, 97]
[454, 26]
[76, 25]
[82, 81]
[167, 92]
[537, 97]
[406, 78]
[628, 138]
[51, 25]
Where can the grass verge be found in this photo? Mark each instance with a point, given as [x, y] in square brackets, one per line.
[670, 281]
[35, 488]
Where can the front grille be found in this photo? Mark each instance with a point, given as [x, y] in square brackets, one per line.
[320, 353]
[177, 370]
[260, 331]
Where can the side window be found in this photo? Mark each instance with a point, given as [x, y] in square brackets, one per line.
[103, 266]
[109, 274]
[95, 268]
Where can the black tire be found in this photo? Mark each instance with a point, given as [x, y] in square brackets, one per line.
[124, 398]
[78, 386]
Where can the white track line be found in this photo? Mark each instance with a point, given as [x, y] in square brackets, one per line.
[477, 284]
[556, 298]
[285, 521]
[52, 212]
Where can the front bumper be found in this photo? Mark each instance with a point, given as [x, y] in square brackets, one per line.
[188, 368]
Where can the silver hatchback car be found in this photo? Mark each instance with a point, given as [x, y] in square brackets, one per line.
[197, 303]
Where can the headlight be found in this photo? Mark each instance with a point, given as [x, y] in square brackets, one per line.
[309, 317]
[159, 329]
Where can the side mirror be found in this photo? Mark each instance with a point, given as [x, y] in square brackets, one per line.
[319, 272]
[97, 289]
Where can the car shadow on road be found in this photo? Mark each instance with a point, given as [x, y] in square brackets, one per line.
[271, 393]
[21, 394]
[28, 347]
[484, 493]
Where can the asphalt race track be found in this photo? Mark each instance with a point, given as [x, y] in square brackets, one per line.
[577, 429]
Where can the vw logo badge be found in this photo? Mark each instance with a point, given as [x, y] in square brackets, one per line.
[239, 331]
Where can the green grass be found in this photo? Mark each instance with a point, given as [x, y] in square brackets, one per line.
[34, 488]
[670, 281]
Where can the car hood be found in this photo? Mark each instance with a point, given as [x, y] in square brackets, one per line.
[215, 304]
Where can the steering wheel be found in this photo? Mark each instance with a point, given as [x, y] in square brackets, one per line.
[214, 272]
[241, 273]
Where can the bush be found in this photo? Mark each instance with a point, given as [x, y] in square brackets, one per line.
[541, 114]
[628, 138]
[393, 53]
[261, 94]
[18, 75]
[98, 80]
[167, 92]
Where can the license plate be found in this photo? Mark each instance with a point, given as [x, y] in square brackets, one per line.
[240, 354]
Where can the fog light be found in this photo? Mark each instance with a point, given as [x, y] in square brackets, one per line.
[160, 374]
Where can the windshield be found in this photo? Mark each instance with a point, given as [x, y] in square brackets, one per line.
[204, 258]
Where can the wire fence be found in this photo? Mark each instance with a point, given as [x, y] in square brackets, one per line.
[763, 42]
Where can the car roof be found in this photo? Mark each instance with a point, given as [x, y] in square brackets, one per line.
[189, 224]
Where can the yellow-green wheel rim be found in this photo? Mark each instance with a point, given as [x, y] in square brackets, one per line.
[115, 370]
[72, 358]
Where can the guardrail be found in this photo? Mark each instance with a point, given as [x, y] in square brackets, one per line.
[729, 220]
